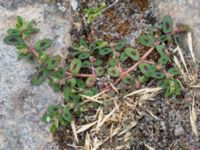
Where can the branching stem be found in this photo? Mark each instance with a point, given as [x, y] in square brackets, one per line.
[134, 66]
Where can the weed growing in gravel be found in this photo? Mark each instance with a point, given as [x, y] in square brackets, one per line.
[92, 13]
[124, 67]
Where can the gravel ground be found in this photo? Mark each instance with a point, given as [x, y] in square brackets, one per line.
[127, 20]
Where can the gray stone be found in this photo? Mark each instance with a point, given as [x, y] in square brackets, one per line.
[182, 11]
[179, 131]
[21, 104]
[74, 5]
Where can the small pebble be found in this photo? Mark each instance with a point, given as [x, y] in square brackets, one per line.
[163, 126]
[74, 5]
[179, 131]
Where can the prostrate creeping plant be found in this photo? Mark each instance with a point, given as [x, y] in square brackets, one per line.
[125, 67]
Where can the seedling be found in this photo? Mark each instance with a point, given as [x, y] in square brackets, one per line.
[90, 62]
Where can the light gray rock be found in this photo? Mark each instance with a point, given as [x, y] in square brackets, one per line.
[74, 5]
[182, 11]
[179, 131]
[21, 104]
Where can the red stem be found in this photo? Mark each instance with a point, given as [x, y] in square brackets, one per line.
[81, 75]
[135, 65]
[34, 52]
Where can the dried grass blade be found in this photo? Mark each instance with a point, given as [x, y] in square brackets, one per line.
[193, 118]
[189, 41]
[179, 66]
[183, 59]
[85, 127]
[87, 142]
[154, 116]
[90, 99]
[106, 117]
[133, 124]
[144, 91]
[149, 147]
[73, 126]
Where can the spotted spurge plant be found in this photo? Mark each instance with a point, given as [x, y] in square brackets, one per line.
[123, 66]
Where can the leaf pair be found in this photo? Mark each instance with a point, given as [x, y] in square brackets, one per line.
[43, 44]
[26, 28]
[43, 73]
[71, 96]
[55, 78]
[53, 62]
[146, 40]
[147, 69]
[132, 53]
[105, 51]
[164, 58]
[14, 38]
[167, 26]
[120, 45]
[171, 87]
[57, 115]
[39, 77]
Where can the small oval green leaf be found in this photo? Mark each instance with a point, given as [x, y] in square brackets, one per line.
[75, 66]
[113, 72]
[43, 44]
[67, 116]
[84, 56]
[100, 71]
[39, 77]
[147, 69]
[105, 51]
[173, 71]
[80, 83]
[167, 24]
[59, 74]
[55, 86]
[132, 53]
[13, 40]
[90, 82]
[86, 64]
[113, 62]
[146, 40]
[120, 45]
[123, 57]
[14, 32]
[158, 75]
[98, 62]
[128, 79]
[71, 83]
[53, 62]
[163, 60]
